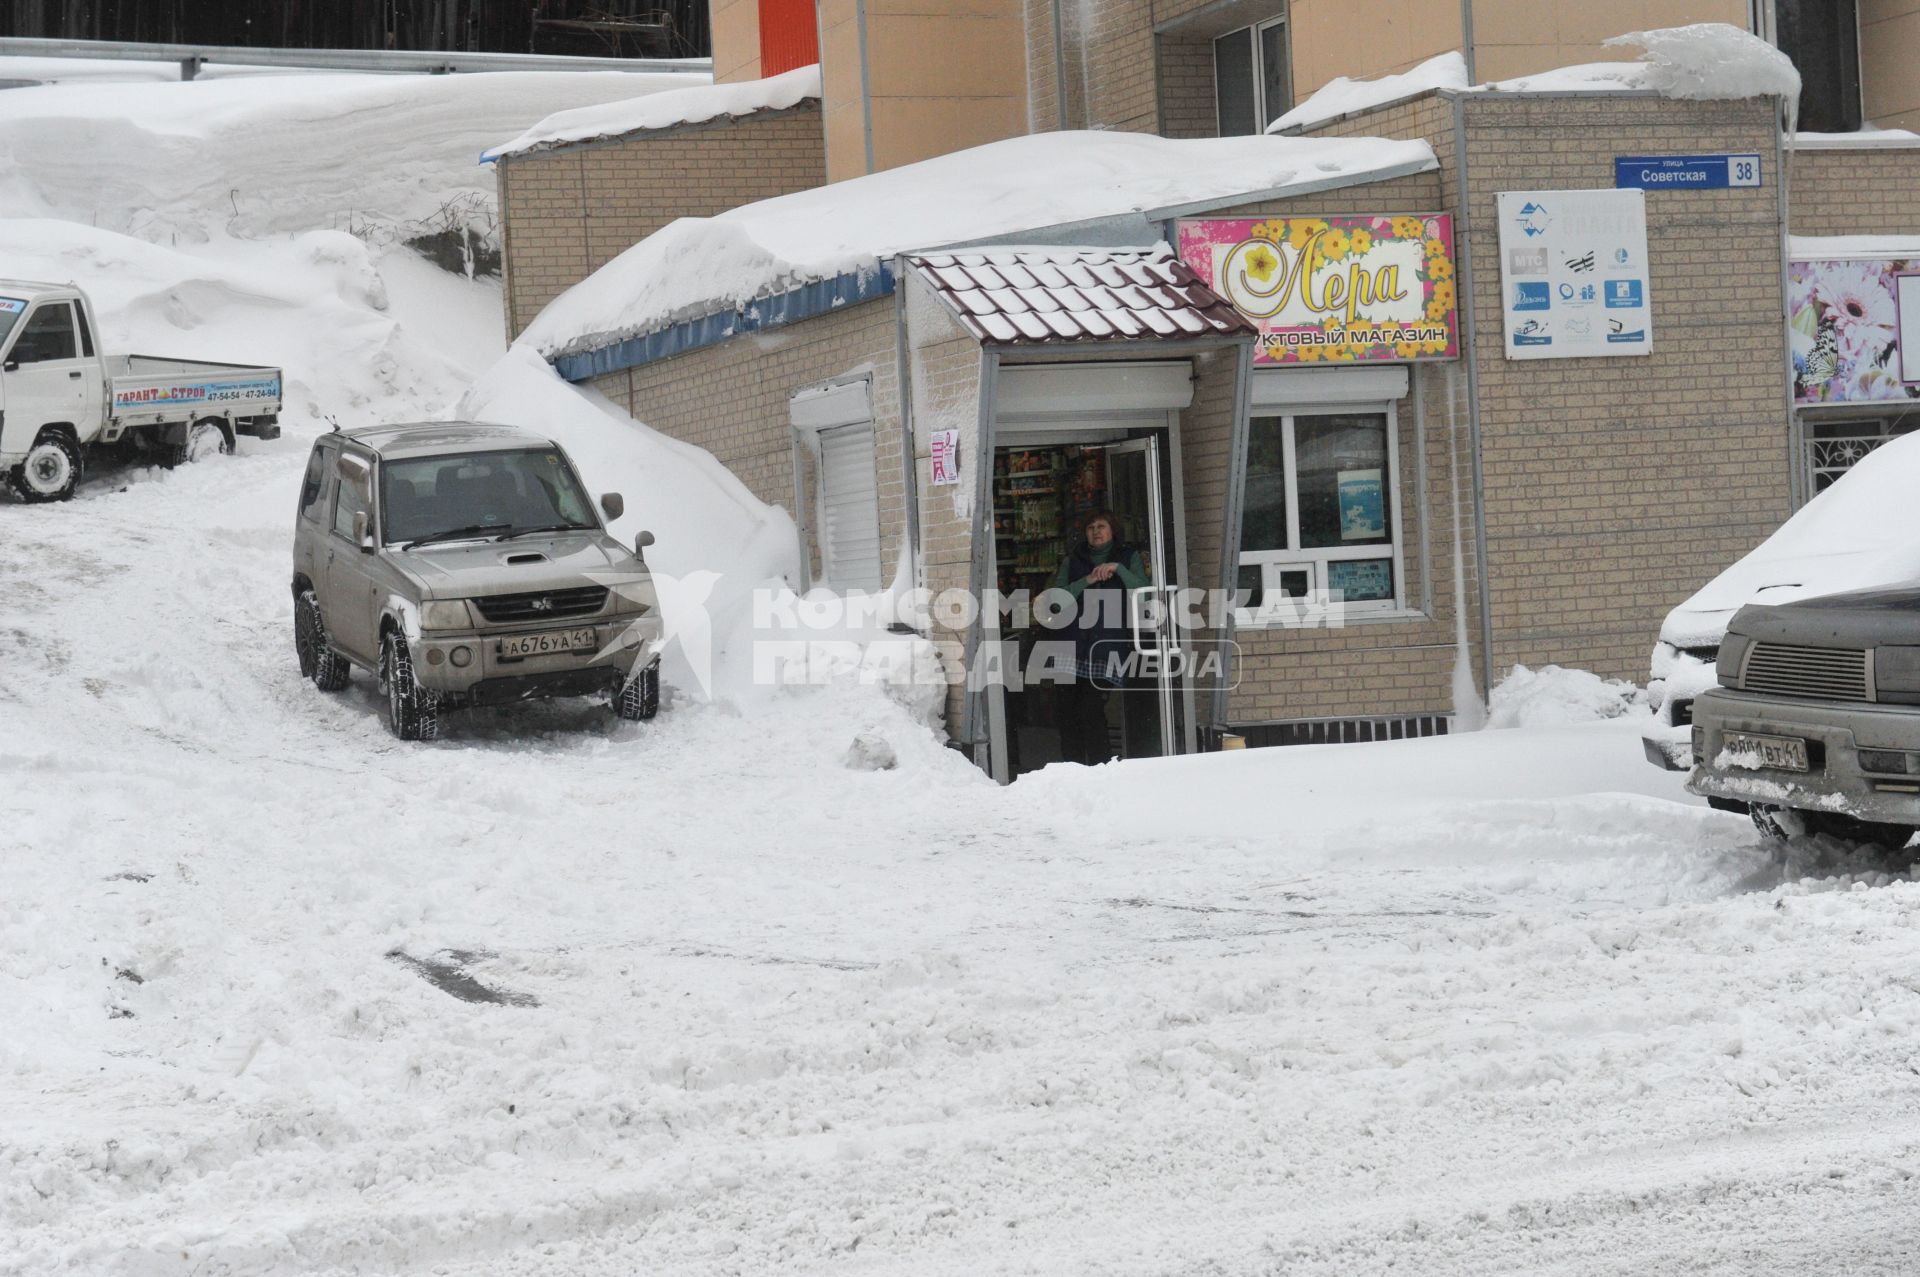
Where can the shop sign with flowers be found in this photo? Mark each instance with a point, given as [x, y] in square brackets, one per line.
[1844, 324]
[1334, 289]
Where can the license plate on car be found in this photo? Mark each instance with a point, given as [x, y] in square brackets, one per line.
[1749, 749]
[547, 644]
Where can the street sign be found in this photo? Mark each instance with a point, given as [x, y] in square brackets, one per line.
[1685, 172]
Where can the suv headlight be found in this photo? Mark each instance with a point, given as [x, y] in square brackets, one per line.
[445, 614]
[633, 597]
[1897, 669]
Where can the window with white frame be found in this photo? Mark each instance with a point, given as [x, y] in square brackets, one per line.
[1252, 77]
[1319, 514]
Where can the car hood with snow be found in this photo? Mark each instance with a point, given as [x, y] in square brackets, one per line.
[1857, 619]
[553, 560]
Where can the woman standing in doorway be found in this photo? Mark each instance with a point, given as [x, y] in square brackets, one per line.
[1098, 571]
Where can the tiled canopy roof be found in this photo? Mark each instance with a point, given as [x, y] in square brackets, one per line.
[1021, 296]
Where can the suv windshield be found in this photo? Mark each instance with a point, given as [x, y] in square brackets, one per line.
[480, 494]
[11, 308]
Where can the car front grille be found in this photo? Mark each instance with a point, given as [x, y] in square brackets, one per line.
[1826, 673]
[543, 605]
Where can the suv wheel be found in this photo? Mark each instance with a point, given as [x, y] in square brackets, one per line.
[638, 699]
[1782, 823]
[51, 469]
[318, 661]
[413, 712]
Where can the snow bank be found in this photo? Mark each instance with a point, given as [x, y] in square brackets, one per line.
[1711, 60]
[1341, 96]
[1555, 697]
[384, 156]
[665, 110]
[700, 266]
[1862, 531]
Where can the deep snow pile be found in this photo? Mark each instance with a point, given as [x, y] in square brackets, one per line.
[247, 157]
[1556, 697]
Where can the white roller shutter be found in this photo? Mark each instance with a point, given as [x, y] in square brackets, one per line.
[850, 508]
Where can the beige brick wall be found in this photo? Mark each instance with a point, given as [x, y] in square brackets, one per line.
[1617, 487]
[1889, 52]
[732, 400]
[946, 366]
[569, 211]
[1854, 192]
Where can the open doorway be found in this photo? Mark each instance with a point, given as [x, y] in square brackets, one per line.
[1104, 685]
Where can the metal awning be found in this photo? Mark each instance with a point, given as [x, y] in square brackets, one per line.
[1025, 296]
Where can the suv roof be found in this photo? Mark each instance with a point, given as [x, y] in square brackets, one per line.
[432, 438]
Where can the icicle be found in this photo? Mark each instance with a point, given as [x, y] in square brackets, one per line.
[1469, 711]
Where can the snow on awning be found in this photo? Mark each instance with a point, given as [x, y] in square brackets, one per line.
[1028, 296]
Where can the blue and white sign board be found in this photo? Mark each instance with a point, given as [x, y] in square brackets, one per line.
[1573, 274]
[1685, 172]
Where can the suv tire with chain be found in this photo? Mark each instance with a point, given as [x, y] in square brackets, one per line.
[413, 712]
[318, 660]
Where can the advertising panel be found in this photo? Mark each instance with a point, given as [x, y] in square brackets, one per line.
[1846, 320]
[1333, 289]
[1573, 274]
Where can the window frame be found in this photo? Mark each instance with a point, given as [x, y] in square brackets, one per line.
[1314, 561]
[26, 322]
[1264, 114]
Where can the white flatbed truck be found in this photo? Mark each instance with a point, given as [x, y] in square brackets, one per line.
[62, 399]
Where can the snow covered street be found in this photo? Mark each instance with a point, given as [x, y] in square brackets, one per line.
[566, 995]
[1468, 1005]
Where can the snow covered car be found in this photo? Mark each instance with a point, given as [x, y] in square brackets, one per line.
[1816, 722]
[1862, 532]
[464, 564]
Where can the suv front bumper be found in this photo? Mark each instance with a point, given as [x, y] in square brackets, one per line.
[621, 644]
[1835, 734]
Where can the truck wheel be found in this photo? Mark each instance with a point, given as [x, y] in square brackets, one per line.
[318, 661]
[205, 438]
[51, 469]
[638, 699]
[413, 712]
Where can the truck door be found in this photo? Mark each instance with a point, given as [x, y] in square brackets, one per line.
[47, 380]
[93, 378]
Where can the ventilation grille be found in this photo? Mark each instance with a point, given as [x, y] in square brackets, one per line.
[1343, 731]
[1825, 673]
[543, 605]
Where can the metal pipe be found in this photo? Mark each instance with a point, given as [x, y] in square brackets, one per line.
[1466, 38]
[1238, 434]
[192, 57]
[903, 381]
[1469, 350]
[974, 703]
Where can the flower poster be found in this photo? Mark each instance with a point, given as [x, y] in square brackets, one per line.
[1843, 319]
[1333, 289]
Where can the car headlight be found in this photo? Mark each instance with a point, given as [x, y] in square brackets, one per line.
[635, 597]
[445, 614]
[1896, 669]
[1733, 650]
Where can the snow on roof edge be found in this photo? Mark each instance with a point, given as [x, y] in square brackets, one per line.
[666, 109]
[1704, 60]
[1867, 139]
[727, 237]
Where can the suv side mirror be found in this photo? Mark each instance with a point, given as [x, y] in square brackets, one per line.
[613, 504]
[641, 542]
[362, 531]
[12, 365]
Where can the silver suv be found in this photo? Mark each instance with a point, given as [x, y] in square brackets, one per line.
[464, 564]
[1815, 727]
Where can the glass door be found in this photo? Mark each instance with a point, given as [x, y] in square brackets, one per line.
[1152, 706]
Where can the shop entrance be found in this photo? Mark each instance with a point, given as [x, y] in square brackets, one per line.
[1111, 683]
